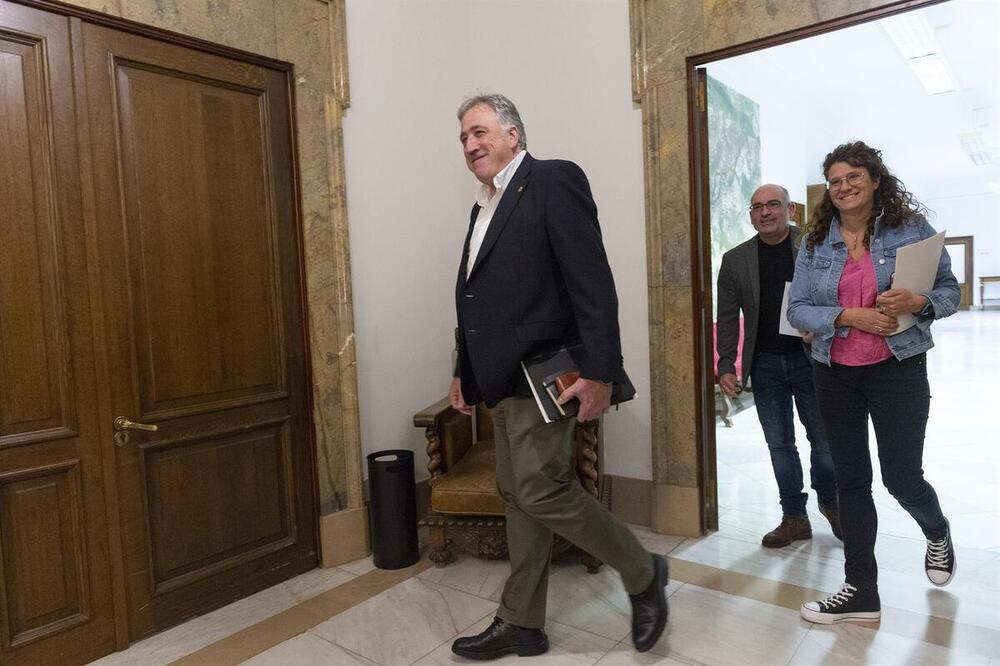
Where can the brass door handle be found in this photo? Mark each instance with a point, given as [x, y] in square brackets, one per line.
[123, 425]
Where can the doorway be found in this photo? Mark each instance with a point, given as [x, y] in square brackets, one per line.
[961, 251]
[785, 86]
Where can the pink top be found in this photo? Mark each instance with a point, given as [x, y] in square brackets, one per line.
[858, 289]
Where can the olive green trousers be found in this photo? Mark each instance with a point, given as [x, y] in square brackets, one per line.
[542, 494]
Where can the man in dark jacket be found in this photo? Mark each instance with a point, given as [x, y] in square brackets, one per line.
[534, 276]
[752, 279]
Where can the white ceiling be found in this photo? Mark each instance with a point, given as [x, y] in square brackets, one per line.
[855, 84]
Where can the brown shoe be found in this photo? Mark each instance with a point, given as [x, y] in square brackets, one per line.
[832, 515]
[792, 528]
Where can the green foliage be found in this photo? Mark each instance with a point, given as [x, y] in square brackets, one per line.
[734, 168]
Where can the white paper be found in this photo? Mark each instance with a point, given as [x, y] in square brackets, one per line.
[538, 398]
[916, 270]
[783, 326]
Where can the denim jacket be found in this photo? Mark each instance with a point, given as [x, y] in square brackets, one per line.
[813, 304]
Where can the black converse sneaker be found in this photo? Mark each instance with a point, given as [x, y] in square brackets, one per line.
[939, 562]
[848, 605]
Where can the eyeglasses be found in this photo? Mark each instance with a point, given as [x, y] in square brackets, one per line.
[773, 204]
[854, 178]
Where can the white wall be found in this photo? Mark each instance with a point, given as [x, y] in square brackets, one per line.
[409, 193]
[979, 217]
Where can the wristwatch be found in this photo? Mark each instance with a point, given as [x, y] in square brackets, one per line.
[928, 309]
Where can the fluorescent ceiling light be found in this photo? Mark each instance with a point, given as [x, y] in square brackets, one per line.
[933, 73]
[911, 34]
[976, 148]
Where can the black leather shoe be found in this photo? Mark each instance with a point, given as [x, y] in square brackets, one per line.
[649, 608]
[502, 638]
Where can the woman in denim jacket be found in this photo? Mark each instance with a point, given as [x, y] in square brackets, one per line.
[841, 292]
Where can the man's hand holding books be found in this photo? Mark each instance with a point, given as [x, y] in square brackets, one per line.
[594, 397]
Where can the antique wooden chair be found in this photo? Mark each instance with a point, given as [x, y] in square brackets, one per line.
[466, 513]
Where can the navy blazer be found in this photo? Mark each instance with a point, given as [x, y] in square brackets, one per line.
[541, 280]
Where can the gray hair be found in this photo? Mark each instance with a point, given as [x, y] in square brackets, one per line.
[506, 113]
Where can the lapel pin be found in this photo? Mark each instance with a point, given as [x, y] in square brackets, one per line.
[521, 189]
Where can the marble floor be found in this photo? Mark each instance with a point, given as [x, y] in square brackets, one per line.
[732, 601]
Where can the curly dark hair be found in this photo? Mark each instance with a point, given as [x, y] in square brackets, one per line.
[891, 198]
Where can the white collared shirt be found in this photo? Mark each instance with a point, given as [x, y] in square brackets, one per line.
[488, 206]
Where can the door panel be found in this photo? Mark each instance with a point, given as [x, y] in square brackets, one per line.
[193, 175]
[45, 571]
[252, 513]
[206, 318]
[32, 331]
[56, 594]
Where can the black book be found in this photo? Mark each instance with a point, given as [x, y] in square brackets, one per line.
[551, 373]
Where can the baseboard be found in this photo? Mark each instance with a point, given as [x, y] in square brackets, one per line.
[630, 499]
[675, 510]
[344, 536]
[662, 508]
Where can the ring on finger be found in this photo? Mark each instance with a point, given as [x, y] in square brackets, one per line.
[878, 329]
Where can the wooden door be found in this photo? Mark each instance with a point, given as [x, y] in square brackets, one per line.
[195, 208]
[960, 249]
[55, 569]
[705, 325]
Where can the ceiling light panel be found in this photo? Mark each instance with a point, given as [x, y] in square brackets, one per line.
[911, 34]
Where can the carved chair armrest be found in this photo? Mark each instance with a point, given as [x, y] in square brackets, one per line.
[587, 456]
[448, 433]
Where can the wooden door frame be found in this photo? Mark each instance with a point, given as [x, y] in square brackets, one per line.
[970, 273]
[700, 233]
[77, 16]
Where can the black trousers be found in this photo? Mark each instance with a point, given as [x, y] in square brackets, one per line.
[897, 397]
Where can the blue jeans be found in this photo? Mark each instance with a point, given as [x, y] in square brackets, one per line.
[896, 395]
[777, 378]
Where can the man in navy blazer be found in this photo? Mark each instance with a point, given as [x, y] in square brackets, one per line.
[534, 275]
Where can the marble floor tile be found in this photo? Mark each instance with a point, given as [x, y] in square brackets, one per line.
[624, 654]
[174, 643]
[359, 567]
[661, 544]
[595, 603]
[751, 526]
[709, 627]
[567, 645]
[978, 530]
[315, 582]
[308, 650]
[405, 622]
[856, 644]
[970, 598]
[780, 564]
[483, 578]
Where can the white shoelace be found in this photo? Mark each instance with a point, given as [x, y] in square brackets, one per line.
[839, 598]
[937, 554]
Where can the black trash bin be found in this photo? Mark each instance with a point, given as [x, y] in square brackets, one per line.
[393, 508]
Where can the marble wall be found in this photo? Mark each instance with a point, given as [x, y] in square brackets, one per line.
[311, 35]
[664, 34]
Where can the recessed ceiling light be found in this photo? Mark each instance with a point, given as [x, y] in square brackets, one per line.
[975, 147]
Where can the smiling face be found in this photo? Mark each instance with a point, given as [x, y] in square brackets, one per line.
[852, 189]
[770, 221]
[488, 147]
